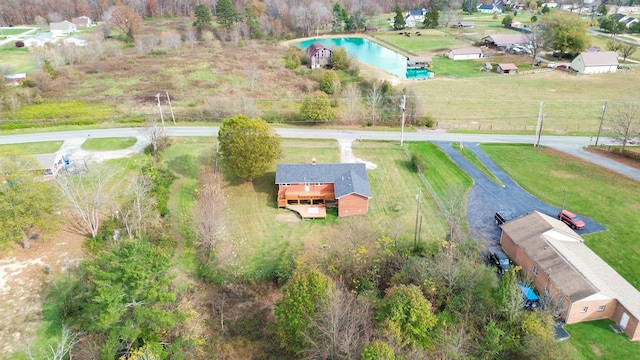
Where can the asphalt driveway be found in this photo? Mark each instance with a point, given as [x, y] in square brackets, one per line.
[486, 197]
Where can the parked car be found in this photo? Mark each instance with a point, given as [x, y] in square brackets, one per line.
[571, 219]
[537, 62]
[551, 65]
[564, 67]
[531, 300]
[498, 258]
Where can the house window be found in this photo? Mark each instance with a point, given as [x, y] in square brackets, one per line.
[535, 271]
[286, 184]
[601, 307]
[318, 184]
[584, 309]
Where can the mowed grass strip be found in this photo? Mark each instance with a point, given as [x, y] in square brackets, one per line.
[109, 144]
[595, 340]
[592, 191]
[34, 148]
[469, 155]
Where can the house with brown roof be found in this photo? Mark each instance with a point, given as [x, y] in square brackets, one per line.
[501, 41]
[319, 55]
[581, 286]
[465, 53]
[309, 189]
[597, 62]
[82, 22]
[508, 68]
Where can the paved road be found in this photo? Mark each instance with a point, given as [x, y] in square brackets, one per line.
[17, 37]
[569, 144]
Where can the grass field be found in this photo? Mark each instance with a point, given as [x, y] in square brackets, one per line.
[106, 144]
[596, 340]
[266, 235]
[16, 59]
[602, 195]
[34, 148]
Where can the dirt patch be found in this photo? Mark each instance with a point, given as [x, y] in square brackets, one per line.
[24, 279]
[288, 217]
[617, 157]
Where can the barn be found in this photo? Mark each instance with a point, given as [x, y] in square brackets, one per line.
[597, 62]
[319, 55]
[309, 189]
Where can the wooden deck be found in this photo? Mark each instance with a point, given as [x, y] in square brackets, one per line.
[309, 211]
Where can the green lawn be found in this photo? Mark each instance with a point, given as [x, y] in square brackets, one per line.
[428, 41]
[107, 144]
[602, 195]
[17, 59]
[34, 148]
[443, 66]
[595, 340]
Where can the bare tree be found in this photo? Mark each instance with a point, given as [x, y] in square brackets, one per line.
[627, 50]
[536, 39]
[452, 203]
[624, 122]
[146, 43]
[62, 348]
[136, 212]
[374, 101]
[170, 40]
[190, 36]
[156, 137]
[210, 214]
[352, 102]
[251, 71]
[88, 195]
[341, 328]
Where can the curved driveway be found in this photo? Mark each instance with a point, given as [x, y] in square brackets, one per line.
[486, 197]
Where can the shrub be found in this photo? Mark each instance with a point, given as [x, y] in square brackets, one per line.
[19, 44]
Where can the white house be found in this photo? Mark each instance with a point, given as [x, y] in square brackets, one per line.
[62, 28]
[596, 62]
[15, 79]
[465, 53]
[489, 9]
[38, 40]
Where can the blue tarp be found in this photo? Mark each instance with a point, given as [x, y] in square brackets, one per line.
[529, 293]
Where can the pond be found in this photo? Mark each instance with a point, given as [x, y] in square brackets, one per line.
[373, 54]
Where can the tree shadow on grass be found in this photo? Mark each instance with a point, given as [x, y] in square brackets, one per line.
[267, 184]
[186, 165]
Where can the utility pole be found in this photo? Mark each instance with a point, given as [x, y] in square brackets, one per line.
[540, 132]
[402, 106]
[171, 108]
[604, 108]
[415, 234]
[564, 197]
[164, 130]
[539, 126]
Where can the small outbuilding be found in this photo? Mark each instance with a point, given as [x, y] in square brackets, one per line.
[465, 24]
[501, 41]
[508, 68]
[82, 22]
[597, 62]
[465, 53]
[419, 62]
[15, 79]
[319, 55]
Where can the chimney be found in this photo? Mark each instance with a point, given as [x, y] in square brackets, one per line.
[313, 161]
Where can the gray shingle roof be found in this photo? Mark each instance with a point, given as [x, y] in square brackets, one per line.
[348, 178]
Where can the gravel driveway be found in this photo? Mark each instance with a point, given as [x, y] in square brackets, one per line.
[486, 197]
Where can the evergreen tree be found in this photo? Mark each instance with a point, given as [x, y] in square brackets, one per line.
[203, 18]
[227, 14]
[398, 21]
[432, 18]
[253, 24]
